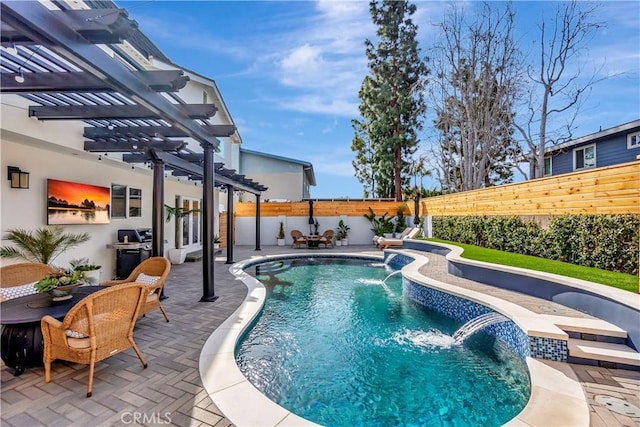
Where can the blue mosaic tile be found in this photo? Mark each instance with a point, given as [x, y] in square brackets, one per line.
[548, 348]
[397, 260]
[465, 310]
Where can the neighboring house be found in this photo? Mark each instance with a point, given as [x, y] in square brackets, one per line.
[608, 147]
[287, 179]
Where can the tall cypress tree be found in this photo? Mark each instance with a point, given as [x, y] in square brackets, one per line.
[392, 103]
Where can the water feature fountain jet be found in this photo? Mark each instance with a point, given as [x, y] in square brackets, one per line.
[476, 324]
[389, 258]
[393, 273]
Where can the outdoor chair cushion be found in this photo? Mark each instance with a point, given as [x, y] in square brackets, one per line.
[73, 334]
[145, 279]
[17, 291]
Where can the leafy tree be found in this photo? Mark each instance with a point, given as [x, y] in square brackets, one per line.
[363, 163]
[478, 71]
[392, 102]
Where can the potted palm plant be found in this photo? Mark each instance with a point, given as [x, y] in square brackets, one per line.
[42, 245]
[343, 232]
[280, 236]
[178, 254]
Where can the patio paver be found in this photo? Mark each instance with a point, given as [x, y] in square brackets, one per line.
[169, 391]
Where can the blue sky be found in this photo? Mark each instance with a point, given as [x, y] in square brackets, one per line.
[290, 72]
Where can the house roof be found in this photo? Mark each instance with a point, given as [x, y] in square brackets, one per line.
[626, 127]
[53, 58]
[306, 166]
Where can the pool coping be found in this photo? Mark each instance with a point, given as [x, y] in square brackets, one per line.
[556, 397]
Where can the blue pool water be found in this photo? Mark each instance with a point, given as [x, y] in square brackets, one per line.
[336, 346]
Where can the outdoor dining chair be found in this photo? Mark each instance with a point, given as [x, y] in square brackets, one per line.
[326, 238]
[97, 327]
[298, 238]
[151, 272]
[17, 280]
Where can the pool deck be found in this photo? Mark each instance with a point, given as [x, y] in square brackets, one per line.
[170, 391]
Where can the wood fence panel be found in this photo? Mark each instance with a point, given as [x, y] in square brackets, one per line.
[608, 190]
[223, 229]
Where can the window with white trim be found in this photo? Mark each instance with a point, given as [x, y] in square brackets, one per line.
[633, 140]
[118, 201]
[584, 157]
[135, 202]
[548, 170]
[126, 202]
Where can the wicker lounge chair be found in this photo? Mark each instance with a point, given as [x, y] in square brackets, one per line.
[326, 238]
[17, 275]
[151, 272]
[298, 239]
[97, 327]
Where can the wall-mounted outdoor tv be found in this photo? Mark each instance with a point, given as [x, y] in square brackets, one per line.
[76, 203]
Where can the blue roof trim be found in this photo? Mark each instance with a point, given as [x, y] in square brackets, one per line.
[306, 166]
[626, 127]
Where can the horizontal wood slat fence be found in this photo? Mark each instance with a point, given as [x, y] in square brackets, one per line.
[607, 190]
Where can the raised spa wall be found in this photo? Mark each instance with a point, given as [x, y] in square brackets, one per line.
[464, 310]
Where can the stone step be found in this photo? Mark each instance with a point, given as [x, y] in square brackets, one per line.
[591, 326]
[194, 256]
[603, 351]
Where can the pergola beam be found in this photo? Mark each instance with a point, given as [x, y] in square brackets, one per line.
[114, 112]
[95, 25]
[45, 27]
[132, 146]
[175, 162]
[74, 81]
[218, 131]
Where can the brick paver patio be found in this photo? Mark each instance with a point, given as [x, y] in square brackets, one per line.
[169, 391]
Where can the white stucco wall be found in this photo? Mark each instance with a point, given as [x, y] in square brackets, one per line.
[284, 179]
[27, 209]
[360, 233]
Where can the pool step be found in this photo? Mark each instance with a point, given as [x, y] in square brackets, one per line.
[578, 327]
[609, 353]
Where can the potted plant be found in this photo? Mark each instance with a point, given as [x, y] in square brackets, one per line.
[178, 254]
[401, 222]
[280, 236]
[343, 232]
[380, 225]
[42, 245]
[91, 271]
[61, 284]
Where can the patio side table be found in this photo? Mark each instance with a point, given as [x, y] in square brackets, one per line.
[21, 340]
[313, 241]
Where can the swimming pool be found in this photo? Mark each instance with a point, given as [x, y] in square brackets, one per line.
[338, 346]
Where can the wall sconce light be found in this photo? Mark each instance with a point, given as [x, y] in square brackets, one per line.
[18, 178]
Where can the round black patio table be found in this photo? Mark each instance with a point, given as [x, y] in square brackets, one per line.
[21, 342]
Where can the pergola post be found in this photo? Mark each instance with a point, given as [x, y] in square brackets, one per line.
[229, 225]
[208, 290]
[157, 213]
[257, 222]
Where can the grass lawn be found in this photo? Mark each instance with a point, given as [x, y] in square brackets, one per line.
[627, 282]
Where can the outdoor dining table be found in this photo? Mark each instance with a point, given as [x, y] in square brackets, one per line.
[21, 341]
[313, 241]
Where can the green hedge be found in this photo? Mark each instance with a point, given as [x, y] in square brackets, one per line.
[608, 242]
